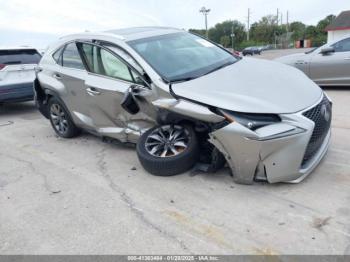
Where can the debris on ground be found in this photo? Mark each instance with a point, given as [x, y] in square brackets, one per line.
[320, 222]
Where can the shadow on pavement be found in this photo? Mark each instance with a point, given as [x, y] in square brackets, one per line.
[13, 109]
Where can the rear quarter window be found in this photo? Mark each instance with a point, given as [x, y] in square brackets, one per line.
[17, 57]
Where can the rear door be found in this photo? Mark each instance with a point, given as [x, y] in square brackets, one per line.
[68, 78]
[17, 66]
[332, 68]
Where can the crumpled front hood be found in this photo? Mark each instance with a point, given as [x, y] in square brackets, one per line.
[253, 86]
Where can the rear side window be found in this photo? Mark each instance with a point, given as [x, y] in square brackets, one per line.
[20, 56]
[57, 56]
[71, 57]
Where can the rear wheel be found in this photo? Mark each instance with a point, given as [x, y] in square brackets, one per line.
[168, 150]
[60, 120]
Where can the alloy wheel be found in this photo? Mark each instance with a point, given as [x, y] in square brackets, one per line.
[167, 141]
[59, 118]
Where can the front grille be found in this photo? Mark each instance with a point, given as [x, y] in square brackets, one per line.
[322, 117]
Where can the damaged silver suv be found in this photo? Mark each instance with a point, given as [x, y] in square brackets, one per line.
[184, 100]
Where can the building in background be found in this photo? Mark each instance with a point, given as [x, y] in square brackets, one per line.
[340, 26]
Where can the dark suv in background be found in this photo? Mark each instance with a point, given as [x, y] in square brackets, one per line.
[17, 73]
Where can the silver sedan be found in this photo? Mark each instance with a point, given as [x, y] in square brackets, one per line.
[328, 65]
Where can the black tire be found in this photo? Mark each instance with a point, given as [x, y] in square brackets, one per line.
[66, 130]
[169, 165]
[218, 160]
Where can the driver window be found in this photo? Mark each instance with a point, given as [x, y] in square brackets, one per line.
[103, 62]
[111, 66]
[342, 46]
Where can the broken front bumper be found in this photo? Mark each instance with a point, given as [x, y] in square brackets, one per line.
[274, 153]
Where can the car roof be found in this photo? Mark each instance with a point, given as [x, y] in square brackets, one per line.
[129, 34]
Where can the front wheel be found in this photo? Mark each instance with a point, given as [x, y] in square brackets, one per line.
[168, 150]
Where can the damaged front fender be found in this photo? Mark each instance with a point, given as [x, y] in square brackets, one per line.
[189, 109]
[273, 153]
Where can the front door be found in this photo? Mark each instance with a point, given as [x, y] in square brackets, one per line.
[109, 79]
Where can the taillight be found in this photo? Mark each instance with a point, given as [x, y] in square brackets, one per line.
[2, 66]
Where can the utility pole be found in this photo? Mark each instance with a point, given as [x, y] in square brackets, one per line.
[248, 24]
[278, 14]
[232, 36]
[281, 18]
[287, 21]
[205, 12]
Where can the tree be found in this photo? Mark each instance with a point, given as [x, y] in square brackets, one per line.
[321, 26]
[298, 29]
[198, 32]
[225, 41]
[220, 30]
[311, 32]
[265, 30]
[321, 37]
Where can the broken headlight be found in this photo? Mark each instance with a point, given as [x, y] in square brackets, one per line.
[251, 121]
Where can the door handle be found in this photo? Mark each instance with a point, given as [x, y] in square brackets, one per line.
[57, 76]
[92, 91]
[347, 58]
[301, 62]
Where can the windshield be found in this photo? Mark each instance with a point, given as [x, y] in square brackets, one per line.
[181, 56]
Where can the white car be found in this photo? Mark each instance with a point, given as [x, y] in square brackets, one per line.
[17, 73]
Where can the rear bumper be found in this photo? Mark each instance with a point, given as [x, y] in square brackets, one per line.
[16, 92]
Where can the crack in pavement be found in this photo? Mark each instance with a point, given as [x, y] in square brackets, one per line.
[101, 163]
[8, 123]
[32, 167]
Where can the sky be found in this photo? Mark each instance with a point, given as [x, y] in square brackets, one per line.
[39, 22]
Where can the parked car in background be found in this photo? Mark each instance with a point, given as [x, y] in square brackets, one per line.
[328, 65]
[251, 51]
[17, 73]
[204, 105]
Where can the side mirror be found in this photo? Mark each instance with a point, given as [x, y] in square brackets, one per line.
[129, 103]
[327, 50]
